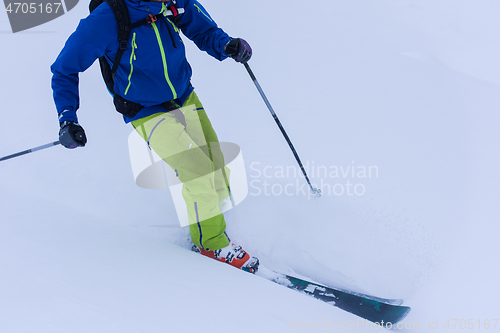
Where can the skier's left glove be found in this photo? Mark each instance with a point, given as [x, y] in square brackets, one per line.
[239, 50]
[72, 135]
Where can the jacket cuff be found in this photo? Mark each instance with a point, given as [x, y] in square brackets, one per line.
[225, 41]
[67, 115]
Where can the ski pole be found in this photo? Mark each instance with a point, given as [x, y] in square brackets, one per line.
[24, 152]
[315, 191]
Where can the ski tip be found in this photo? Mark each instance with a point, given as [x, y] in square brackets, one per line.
[403, 315]
[396, 301]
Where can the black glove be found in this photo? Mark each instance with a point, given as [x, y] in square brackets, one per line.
[72, 135]
[239, 50]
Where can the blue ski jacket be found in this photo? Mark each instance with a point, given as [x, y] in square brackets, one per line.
[153, 69]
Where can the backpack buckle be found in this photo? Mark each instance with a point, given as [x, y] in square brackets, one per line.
[152, 18]
[173, 9]
[123, 44]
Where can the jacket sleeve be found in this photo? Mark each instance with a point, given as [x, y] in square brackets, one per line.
[82, 48]
[199, 27]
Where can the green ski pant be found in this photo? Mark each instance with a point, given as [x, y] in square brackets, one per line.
[186, 141]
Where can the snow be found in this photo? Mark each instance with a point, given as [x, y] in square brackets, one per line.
[409, 88]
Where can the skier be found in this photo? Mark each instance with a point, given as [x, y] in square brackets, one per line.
[152, 90]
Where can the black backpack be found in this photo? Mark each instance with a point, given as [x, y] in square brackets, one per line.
[125, 107]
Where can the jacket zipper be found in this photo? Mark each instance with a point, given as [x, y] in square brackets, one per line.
[164, 59]
[200, 11]
[132, 58]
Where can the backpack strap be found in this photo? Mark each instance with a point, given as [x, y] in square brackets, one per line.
[172, 11]
[175, 12]
[123, 23]
[147, 20]
[122, 17]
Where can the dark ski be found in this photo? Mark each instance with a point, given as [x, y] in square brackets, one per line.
[375, 309]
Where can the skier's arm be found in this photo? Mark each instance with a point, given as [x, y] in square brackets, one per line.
[90, 41]
[199, 27]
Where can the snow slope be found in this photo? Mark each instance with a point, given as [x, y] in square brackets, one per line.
[407, 89]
